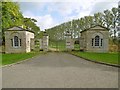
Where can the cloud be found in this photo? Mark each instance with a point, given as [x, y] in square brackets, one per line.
[43, 22]
[100, 6]
[32, 6]
[68, 8]
[49, 14]
[46, 21]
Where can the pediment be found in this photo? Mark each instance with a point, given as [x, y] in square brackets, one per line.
[98, 27]
[15, 28]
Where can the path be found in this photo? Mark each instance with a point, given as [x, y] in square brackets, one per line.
[59, 70]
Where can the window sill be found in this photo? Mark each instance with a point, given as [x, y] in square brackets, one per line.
[16, 47]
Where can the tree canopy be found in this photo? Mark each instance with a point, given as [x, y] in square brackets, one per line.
[30, 24]
[108, 19]
[12, 16]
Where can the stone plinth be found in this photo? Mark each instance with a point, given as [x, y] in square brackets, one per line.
[69, 41]
[44, 42]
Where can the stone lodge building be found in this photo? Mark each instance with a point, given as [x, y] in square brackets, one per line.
[18, 40]
[95, 39]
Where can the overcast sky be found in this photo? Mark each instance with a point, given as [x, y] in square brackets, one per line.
[49, 13]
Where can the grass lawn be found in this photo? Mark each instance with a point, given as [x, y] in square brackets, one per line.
[13, 58]
[0, 59]
[111, 58]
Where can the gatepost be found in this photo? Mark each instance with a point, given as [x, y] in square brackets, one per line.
[41, 44]
[45, 41]
[69, 41]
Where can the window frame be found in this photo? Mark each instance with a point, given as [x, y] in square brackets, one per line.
[18, 42]
[101, 42]
[92, 41]
[97, 41]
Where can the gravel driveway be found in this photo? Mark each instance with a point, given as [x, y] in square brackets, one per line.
[59, 70]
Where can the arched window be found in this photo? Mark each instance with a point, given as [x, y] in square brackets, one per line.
[16, 41]
[97, 38]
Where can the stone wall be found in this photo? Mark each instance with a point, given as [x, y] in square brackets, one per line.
[44, 43]
[83, 39]
[8, 43]
[29, 43]
[104, 47]
[69, 43]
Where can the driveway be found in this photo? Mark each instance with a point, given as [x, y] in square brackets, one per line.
[59, 70]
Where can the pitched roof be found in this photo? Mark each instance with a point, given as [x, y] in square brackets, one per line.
[95, 27]
[17, 28]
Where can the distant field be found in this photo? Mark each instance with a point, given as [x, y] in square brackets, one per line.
[13, 58]
[111, 58]
[61, 45]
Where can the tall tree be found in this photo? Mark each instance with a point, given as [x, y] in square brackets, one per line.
[114, 21]
[98, 19]
[107, 18]
[30, 24]
[11, 15]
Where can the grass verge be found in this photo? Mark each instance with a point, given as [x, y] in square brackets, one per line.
[14, 58]
[108, 58]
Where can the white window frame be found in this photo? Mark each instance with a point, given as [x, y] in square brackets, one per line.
[100, 42]
[97, 41]
[18, 43]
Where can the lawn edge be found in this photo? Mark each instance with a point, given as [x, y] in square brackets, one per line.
[8, 65]
[109, 64]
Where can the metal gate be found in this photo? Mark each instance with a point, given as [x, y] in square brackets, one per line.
[58, 41]
[57, 45]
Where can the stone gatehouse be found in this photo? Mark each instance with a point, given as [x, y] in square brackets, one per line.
[95, 39]
[18, 40]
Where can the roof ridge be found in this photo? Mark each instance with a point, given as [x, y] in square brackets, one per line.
[22, 29]
[93, 27]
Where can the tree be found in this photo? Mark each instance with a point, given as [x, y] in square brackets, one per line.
[30, 25]
[0, 17]
[107, 18]
[114, 21]
[98, 19]
[11, 15]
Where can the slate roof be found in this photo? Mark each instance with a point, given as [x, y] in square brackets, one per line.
[17, 28]
[94, 27]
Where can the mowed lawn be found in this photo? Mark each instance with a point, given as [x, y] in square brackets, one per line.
[111, 58]
[13, 58]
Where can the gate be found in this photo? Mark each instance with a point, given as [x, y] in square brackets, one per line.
[61, 40]
[57, 45]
